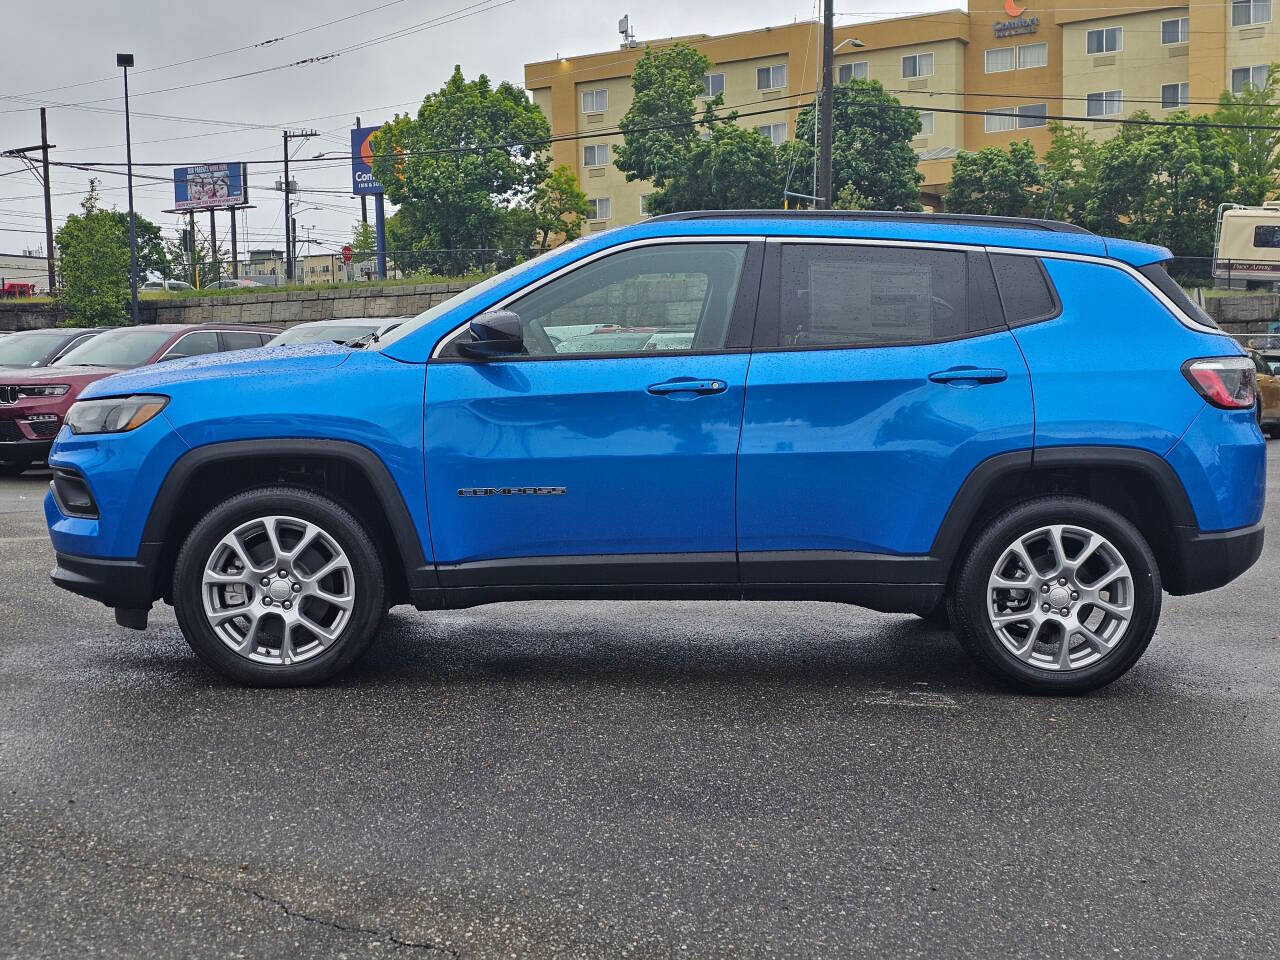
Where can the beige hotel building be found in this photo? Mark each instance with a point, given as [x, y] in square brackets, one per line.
[1011, 64]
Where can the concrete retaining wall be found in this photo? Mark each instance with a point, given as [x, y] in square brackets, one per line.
[272, 309]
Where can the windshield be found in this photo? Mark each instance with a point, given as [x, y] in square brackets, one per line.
[116, 348]
[422, 319]
[306, 333]
[25, 349]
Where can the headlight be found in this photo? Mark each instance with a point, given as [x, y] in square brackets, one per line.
[113, 414]
[56, 390]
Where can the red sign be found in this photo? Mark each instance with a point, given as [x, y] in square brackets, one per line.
[346, 254]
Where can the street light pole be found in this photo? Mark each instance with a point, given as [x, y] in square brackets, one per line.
[125, 61]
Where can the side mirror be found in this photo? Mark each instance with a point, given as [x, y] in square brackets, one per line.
[497, 333]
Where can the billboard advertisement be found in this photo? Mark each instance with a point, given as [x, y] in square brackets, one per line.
[362, 180]
[210, 186]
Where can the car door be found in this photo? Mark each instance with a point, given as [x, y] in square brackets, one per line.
[606, 453]
[882, 375]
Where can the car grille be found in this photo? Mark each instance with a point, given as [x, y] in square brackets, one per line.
[9, 432]
[8, 394]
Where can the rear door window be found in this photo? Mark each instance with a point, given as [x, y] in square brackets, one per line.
[846, 295]
[1024, 287]
[240, 340]
[194, 345]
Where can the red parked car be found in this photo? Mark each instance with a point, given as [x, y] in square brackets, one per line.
[34, 402]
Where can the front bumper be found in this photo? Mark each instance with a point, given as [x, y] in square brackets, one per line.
[24, 451]
[126, 585]
[1206, 561]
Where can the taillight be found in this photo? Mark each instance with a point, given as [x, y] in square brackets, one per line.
[1227, 382]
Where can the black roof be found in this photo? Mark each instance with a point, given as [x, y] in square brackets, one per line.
[960, 219]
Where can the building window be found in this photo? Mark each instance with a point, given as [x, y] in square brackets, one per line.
[1032, 55]
[917, 65]
[1105, 40]
[1000, 120]
[598, 208]
[1105, 104]
[1247, 12]
[926, 123]
[1175, 31]
[775, 133]
[1174, 95]
[595, 101]
[771, 78]
[595, 155]
[1032, 115]
[858, 70]
[712, 85]
[999, 60]
[1242, 78]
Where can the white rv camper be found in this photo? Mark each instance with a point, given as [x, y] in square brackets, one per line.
[1246, 243]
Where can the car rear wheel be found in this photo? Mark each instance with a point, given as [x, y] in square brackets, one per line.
[1058, 595]
[279, 587]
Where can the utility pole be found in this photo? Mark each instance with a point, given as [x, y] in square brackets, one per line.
[20, 153]
[213, 243]
[125, 61]
[824, 154]
[48, 204]
[235, 253]
[288, 215]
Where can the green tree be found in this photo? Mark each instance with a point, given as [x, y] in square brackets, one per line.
[472, 153]
[1256, 152]
[871, 150]
[153, 257]
[994, 182]
[93, 255]
[559, 208]
[850, 199]
[1163, 184]
[659, 129]
[695, 161]
[364, 242]
[1071, 171]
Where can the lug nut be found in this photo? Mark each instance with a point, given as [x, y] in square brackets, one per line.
[1044, 588]
[1065, 611]
[1045, 608]
[266, 601]
[266, 581]
[1062, 581]
[297, 588]
[1075, 596]
[285, 573]
[287, 605]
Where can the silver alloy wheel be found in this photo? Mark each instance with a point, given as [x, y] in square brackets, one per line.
[1060, 597]
[278, 590]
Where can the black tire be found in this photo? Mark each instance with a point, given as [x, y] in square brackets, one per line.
[14, 468]
[972, 624]
[366, 567]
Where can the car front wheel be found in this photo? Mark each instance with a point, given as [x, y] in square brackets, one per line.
[279, 587]
[1058, 595]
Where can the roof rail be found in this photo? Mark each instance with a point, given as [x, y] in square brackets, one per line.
[958, 219]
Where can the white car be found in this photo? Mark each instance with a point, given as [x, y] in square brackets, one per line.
[166, 285]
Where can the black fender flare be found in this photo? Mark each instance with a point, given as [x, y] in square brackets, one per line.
[419, 573]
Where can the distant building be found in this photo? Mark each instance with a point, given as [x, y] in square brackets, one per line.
[25, 268]
[986, 77]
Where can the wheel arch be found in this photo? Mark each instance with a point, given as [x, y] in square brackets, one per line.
[349, 473]
[1137, 483]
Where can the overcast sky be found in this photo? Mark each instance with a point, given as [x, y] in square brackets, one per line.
[70, 45]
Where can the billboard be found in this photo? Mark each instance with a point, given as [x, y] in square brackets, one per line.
[210, 186]
[362, 180]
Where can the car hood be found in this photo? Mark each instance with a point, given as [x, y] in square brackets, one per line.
[76, 376]
[236, 368]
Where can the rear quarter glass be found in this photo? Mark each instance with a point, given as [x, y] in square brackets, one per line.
[1108, 368]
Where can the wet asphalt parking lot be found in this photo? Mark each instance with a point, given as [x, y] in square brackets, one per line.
[633, 780]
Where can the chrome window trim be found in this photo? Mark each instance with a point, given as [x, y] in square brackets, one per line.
[502, 304]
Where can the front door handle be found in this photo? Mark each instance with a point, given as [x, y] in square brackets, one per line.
[969, 375]
[688, 385]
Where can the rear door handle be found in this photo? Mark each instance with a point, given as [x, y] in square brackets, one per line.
[687, 385]
[969, 375]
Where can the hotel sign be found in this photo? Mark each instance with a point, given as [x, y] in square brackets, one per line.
[1017, 27]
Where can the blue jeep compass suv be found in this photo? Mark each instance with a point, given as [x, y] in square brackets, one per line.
[1015, 425]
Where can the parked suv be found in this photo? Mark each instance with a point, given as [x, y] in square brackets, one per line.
[926, 414]
[28, 349]
[33, 403]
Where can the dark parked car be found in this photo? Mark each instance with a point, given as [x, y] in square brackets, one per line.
[39, 348]
[34, 403]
